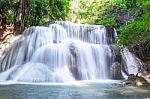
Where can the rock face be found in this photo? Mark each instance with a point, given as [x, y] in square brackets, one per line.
[136, 81]
[116, 70]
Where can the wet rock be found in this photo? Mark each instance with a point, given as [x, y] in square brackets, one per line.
[116, 70]
[135, 80]
[73, 67]
[116, 54]
[111, 35]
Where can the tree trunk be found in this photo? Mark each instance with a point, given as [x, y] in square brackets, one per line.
[16, 16]
[4, 22]
[4, 18]
[24, 10]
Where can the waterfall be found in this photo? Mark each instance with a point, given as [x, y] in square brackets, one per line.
[63, 51]
[132, 63]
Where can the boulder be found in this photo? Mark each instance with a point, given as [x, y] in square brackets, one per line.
[135, 80]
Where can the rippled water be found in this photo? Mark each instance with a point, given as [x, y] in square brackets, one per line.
[78, 90]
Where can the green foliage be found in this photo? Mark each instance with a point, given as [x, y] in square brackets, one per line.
[10, 16]
[41, 11]
[106, 20]
[88, 12]
[137, 31]
[59, 9]
[5, 10]
[37, 11]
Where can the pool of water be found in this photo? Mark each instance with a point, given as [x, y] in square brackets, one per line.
[75, 90]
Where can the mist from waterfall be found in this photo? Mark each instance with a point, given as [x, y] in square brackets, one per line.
[63, 52]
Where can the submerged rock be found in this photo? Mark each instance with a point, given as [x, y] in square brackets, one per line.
[135, 80]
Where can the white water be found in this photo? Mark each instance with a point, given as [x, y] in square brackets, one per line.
[132, 62]
[60, 52]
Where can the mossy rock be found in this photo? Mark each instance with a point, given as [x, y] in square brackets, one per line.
[136, 81]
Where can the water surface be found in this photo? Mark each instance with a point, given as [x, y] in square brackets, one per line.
[76, 90]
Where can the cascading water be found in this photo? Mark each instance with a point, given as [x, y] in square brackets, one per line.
[132, 63]
[61, 52]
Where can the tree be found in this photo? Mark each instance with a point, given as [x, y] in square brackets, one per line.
[4, 6]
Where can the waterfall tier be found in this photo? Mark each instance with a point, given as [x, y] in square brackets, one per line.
[64, 51]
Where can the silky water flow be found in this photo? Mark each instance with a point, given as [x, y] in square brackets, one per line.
[63, 52]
